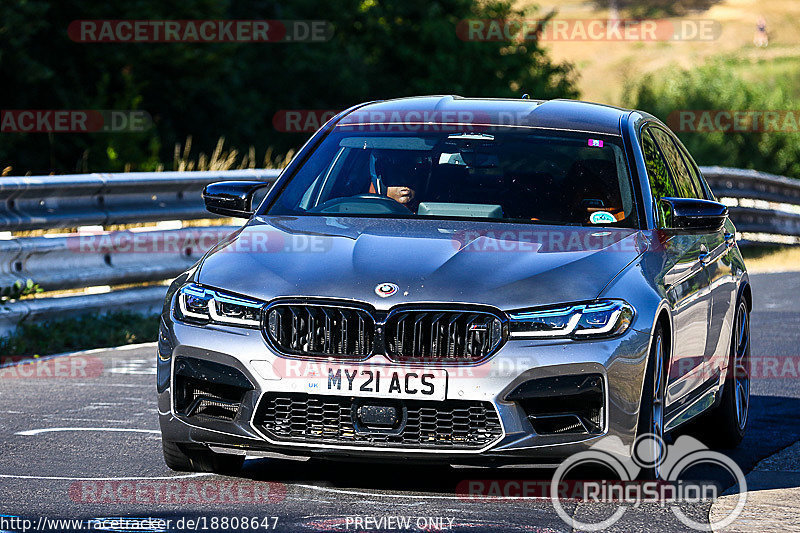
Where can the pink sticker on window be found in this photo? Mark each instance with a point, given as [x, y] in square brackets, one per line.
[595, 143]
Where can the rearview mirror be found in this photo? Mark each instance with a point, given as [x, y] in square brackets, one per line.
[692, 214]
[232, 198]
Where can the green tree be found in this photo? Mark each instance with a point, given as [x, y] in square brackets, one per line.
[379, 49]
[43, 69]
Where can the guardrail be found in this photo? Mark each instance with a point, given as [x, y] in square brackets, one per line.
[99, 259]
[752, 184]
[764, 204]
[92, 259]
[46, 202]
[753, 191]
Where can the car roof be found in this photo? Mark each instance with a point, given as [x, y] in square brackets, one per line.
[554, 114]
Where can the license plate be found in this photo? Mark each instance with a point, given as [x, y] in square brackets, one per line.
[383, 382]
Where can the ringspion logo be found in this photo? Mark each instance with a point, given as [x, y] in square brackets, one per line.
[623, 491]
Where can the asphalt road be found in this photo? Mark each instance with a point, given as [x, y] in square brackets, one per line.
[78, 469]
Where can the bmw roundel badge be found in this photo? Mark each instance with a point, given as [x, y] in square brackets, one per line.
[384, 290]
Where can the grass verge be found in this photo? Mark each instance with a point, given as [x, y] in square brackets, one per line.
[79, 333]
[606, 67]
[769, 258]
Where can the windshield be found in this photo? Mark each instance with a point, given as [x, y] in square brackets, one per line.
[548, 178]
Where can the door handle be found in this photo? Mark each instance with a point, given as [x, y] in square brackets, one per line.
[730, 239]
[703, 257]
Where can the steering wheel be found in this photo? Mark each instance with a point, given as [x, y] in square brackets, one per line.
[367, 203]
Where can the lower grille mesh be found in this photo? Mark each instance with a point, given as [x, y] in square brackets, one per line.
[213, 406]
[453, 424]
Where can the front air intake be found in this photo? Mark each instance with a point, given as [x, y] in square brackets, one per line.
[208, 389]
[561, 405]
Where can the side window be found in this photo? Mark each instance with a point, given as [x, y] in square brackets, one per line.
[697, 180]
[657, 173]
[683, 180]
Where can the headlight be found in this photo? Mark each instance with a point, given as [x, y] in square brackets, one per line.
[200, 305]
[605, 318]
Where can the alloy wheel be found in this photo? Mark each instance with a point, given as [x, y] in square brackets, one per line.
[657, 429]
[741, 362]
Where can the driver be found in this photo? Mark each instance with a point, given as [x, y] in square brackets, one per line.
[402, 194]
[396, 175]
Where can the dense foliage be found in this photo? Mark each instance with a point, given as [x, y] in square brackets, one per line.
[721, 86]
[379, 49]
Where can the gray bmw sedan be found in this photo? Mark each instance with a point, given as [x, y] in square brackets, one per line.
[461, 281]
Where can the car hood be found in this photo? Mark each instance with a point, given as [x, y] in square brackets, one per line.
[508, 266]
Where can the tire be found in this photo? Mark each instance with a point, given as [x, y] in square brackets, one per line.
[649, 451]
[183, 459]
[724, 426]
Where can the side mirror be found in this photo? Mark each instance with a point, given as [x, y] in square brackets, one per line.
[232, 198]
[692, 214]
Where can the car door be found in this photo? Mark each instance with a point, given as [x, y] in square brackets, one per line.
[687, 285]
[722, 279]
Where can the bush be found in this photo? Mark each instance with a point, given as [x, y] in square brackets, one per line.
[724, 85]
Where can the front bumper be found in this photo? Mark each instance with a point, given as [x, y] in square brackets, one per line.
[619, 362]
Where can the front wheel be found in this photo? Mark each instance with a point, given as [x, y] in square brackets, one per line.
[724, 426]
[650, 431]
[184, 459]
